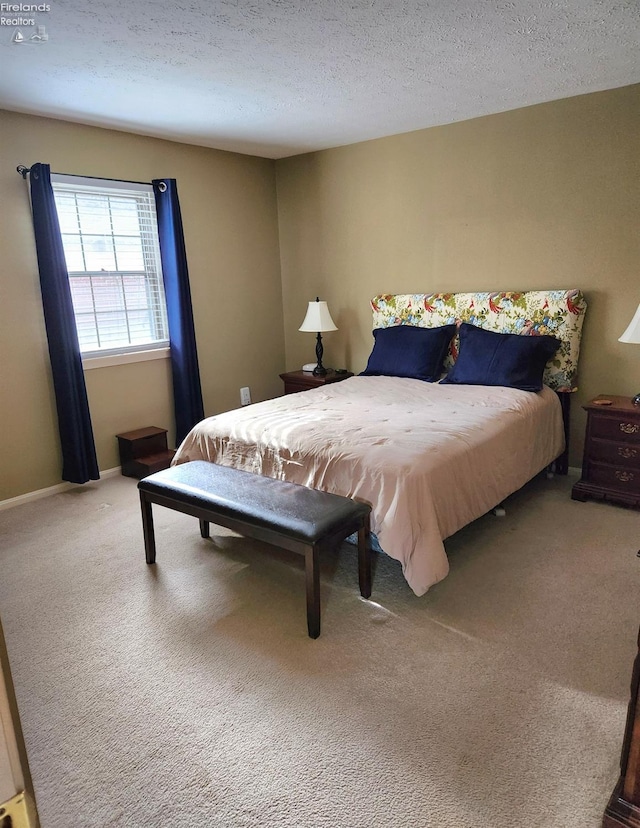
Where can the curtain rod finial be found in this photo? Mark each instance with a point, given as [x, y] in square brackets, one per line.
[24, 171]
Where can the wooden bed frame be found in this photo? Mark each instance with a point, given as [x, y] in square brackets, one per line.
[561, 464]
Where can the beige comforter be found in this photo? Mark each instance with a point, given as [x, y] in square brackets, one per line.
[429, 458]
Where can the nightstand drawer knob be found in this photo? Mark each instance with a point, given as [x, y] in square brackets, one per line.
[629, 428]
[627, 452]
[624, 477]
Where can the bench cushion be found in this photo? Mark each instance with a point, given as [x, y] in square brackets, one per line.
[295, 511]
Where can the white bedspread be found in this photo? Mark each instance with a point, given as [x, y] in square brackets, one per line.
[429, 458]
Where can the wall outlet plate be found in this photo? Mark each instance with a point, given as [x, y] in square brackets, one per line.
[245, 395]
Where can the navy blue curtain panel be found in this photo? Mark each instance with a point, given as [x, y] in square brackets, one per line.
[187, 393]
[79, 462]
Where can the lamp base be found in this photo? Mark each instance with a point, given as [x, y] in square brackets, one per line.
[319, 370]
[636, 400]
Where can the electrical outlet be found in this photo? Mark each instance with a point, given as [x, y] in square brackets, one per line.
[245, 395]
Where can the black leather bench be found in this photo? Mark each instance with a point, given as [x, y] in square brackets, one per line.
[285, 514]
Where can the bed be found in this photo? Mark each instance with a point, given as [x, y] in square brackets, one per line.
[428, 456]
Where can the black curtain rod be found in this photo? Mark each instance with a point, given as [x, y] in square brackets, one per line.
[24, 172]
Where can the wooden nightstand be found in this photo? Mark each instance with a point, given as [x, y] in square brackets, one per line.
[624, 805]
[611, 462]
[295, 381]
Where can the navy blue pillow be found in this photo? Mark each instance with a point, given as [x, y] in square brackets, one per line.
[490, 358]
[409, 351]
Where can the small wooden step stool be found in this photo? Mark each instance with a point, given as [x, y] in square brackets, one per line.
[144, 451]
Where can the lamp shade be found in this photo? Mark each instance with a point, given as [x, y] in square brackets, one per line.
[632, 334]
[318, 318]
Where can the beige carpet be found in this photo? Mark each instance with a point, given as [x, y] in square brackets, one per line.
[188, 694]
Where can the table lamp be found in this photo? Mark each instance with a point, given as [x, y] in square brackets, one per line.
[318, 319]
[632, 334]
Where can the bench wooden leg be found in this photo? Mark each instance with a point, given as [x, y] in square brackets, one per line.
[204, 528]
[313, 591]
[364, 558]
[147, 529]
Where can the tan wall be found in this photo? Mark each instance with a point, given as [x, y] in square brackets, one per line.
[542, 197]
[230, 220]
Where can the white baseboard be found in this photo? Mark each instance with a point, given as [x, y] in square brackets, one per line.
[64, 487]
[51, 490]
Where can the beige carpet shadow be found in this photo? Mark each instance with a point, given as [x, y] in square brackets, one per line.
[188, 694]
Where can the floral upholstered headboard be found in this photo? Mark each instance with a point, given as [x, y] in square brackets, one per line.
[559, 313]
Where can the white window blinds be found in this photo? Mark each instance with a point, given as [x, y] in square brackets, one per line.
[110, 239]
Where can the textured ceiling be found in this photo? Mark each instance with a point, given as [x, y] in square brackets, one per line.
[281, 77]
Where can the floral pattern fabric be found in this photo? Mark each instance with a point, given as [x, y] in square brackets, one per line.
[559, 313]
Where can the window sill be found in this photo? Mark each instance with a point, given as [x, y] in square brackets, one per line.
[123, 359]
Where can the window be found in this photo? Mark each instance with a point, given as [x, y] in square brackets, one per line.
[110, 239]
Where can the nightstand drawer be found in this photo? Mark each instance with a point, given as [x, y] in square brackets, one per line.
[293, 387]
[605, 451]
[619, 428]
[610, 477]
[295, 381]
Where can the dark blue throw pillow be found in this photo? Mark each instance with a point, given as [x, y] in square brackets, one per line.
[409, 351]
[490, 358]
